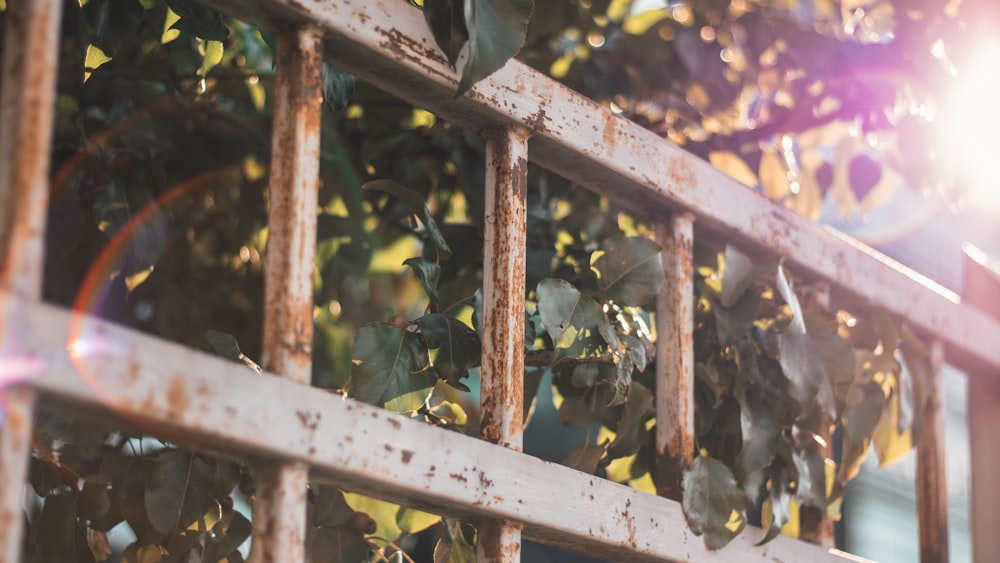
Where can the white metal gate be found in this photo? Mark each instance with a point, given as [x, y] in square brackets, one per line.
[296, 433]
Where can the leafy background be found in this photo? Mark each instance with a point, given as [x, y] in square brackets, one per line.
[159, 182]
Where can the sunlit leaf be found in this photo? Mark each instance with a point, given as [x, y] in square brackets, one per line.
[454, 548]
[571, 319]
[388, 364]
[711, 497]
[496, 32]
[798, 325]
[731, 163]
[213, 56]
[629, 269]
[382, 513]
[414, 521]
[774, 175]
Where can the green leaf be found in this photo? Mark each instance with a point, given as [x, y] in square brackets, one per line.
[454, 547]
[178, 492]
[224, 344]
[223, 476]
[734, 321]
[714, 505]
[338, 87]
[227, 537]
[496, 32]
[458, 346]
[572, 319]
[812, 465]
[413, 521]
[860, 421]
[199, 20]
[802, 363]
[429, 273]
[388, 363]
[586, 458]
[781, 497]
[415, 202]
[629, 269]
[94, 501]
[328, 507]
[62, 536]
[446, 19]
[760, 434]
[738, 273]
[337, 544]
[114, 22]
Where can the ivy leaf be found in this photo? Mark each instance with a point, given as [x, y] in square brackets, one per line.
[572, 319]
[446, 19]
[586, 458]
[739, 272]
[338, 87]
[429, 273]
[199, 20]
[629, 269]
[454, 547]
[178, 492]
[415, 202]
[497, 29]
[714, 505]
[860, 421]
[388, 363]
[459, 348]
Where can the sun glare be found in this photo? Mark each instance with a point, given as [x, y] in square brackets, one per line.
[969, 126]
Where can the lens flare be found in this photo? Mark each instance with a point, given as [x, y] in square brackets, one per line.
[968, 122]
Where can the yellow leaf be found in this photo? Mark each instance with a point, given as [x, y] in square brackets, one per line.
[169, 34]
[732, 164]
[560, 67]
[383, 513]
[644, 484]
[213, 56]
[641, 22]
[414, 521]
[93, 59]
[774, 175]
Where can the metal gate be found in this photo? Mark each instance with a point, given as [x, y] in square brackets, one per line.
[295, 433]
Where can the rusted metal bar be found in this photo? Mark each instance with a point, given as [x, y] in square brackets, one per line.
[502, 395]
[675, 355]
[932, 482]
[27, 102]
[981, 288]
[390, 45]
[280, 503]
[358, 447]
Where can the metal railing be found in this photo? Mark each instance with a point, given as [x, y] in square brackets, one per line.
[296, 433]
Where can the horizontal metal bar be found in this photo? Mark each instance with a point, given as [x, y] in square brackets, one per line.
[203, 401]
[389, 44]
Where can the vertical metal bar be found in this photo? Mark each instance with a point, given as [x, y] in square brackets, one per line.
[932, 482]
[502, 396]
[27, 104]
[280, 503]
[675, 355]
[981, 286]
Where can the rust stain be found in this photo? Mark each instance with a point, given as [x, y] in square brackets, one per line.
[609, 131]
[459, 477]
[395, 423]
[177, 395]
[406, 455]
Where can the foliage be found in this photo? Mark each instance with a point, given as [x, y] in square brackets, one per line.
[158, 221]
